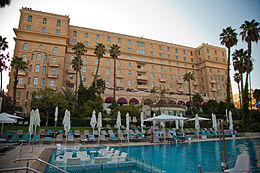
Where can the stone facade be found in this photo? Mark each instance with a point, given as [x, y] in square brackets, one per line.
[45, 41]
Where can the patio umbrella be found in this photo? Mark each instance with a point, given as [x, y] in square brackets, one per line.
[56, 115]
[10, 116]
[37, 120]
[154, 122]
[127, 125]
[32, 117]
[230, 121]
[214, 122]
[93, 120]
[99, 125]
[181, 122]
[118, 121]
[199, 118]
[227, 114]
[66, 123]
[134, 120]
[4, 119]
[197, 123]
[142, 121]
[177, 124]
[164, 118]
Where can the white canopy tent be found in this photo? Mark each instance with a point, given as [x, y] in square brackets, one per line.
[165, 118]
[93, 120]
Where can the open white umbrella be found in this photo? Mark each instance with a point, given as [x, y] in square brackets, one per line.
[37, 120]
[66, 123]
[56, 115]
[197, 123]
[142, 121]
[99, 125]
[4, 119]
[164, 118]
[214, 122]
[118, 121]
[93, 120]
[199, 118]
[181, 122]
[230, 121]
[32, 117]
[127, 125]
[10, 116]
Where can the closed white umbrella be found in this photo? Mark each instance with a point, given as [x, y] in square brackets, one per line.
[66, 123]
[197, 123]
[32, 117]
[154, 122]
[230, 121]
[5, 119]
[214, 122]
[56, 115]
[142, 121]
[37, 120]
[227, 114]
[99, 124]
[118, 121]
[93, 120]
[134, 120]
[181, 122]
[127, 125]
[177, 123]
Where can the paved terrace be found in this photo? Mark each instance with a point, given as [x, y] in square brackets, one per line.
[44, 151]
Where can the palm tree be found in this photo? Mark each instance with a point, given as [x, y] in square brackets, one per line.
[256, 95]
[237, 78]
[228, 37]
[196, 101]
[188, 77]
[19, 65]
[250, 33]
[99, 51]
[79, 50]
[76, 65]
[114, 53]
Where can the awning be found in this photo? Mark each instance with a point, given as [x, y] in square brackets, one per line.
[188, 103]
[109, 100]
[148, 102]
[122, 100]
[134, 100]
[172, 102]
[181, 103]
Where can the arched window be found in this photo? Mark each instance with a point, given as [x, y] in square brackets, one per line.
[74, 33]
[58, 23]
[44, 21]
[29, 18]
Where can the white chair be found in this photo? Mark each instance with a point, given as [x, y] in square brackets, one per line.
[103, 150]
[242, 165]
[63, 158]
[119, 158]
[83, 156]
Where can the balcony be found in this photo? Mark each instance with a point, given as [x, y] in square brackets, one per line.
[52, 64]
[141, 78]
[195, 83]
[119, 85]
[179, 82]
[21, 73]
[141, 70]
[94, 73]
[53, 88]
[163, 80]
[180, 89]
[196, 91]
[71, 71]
[20, 86]
[142, 87]
[53, 76]
[212, 81]
[214, 89]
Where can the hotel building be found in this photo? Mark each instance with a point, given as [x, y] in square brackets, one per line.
[45, 42]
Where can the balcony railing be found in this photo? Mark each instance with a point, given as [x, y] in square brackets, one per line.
[53, 76]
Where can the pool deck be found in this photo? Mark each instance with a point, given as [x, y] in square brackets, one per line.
[43, 151]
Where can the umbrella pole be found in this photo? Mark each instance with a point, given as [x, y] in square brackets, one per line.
[119, 132]
[2, 128]
[164, 135]
[55, 123]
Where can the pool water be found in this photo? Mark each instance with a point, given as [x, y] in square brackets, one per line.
[186, 157]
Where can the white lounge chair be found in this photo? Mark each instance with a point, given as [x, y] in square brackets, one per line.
[242, 165]
[83, 156]
[119, 158]
[63, 159]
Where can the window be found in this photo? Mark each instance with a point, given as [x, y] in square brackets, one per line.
[55, 50]
[119, 40]
[169, 63]
[224, 60]
[208, 57]
[168, 55]
[222, 53]
[160, 54]
[211, 78]
[170, 77]
[129, 57]
[96, 61]
[178, 78]
[29, 18]
[84, 78]
[129, 42]
[107, 70]
[35, 81]
[202, 79]
[118, 71]
[44, 21]
[28, 28]
[129, 73]
[118, 63]
[53, 71]
[217, 78]
[170, 69]
[43, 69]
[74, 33]
[86, 35]
[71, 67]
[85, 43]
[151, 52]
[27, 95]
[108, 46]
[58, 23]
[129, 83]
[118, 81]
[207, 50]
[216, 58]
[160, 47]
[152, 67]
[223, 86]
[190, 53]
[171, 85]
[52, 83]
[187, 87]
[72, 57]
[140, 44]
[37, 68]
[176, 50]
[108, 38]
[178, 71]
[185, 65]
[210, 70]
[71, 77]
[168, 49]
[215, 52]
[153, 84]
[107, 81]
[191, 59]
[24, 56]
[219, 87]
[184, 52]
[140, 59]
[43, 29]
[108, 62]
[129, 64]
[199, 58]
[140, 51]
[95, 69]
[184, 58]
[177, 57]
[25, 46]
[129, 49]
[45, 58]
[84, 69]
[20, 80]
[177, 64]
[42, 82]
[152, 76]
[151, 45]
[57, 31]
[161, 69]
[97, 37]
[201, 72]
[161, 76]
[199, 52]
[38, 56]
[73, 41]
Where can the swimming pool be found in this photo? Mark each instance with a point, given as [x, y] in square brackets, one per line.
[186, 157]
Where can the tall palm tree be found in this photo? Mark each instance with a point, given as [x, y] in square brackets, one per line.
[228, 37]
[237, 78]
[76, 65]
[99, 51]
[188, 77]
[250, 33]
[79, 50]
[256, 95]
[114, 53]
[19, 65]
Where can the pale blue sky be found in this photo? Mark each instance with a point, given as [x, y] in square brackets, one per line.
[185, 22]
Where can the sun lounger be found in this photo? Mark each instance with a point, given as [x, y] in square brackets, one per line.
[113, 138]
[42, 132]
[25, 123]
[96, 133]
[103, 132]
[76, 133]
[25, 138]
[83, 156]
[71, 138]
[111, 132]
[47, 140]
[122, 138]
[119, 158]
[4, 137]
[59, 138]
[20, 123]
[197, 134]
[125, 132]
[86, 132]
[83, 138]
[14, 138]
[92, 139]
[20, 132]
[36, 139]
[103, 139]
[242, 165]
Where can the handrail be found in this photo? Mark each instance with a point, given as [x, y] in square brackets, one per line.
[20, 168]
[42, 161]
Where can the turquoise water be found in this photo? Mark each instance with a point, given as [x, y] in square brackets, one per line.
[187, 157]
